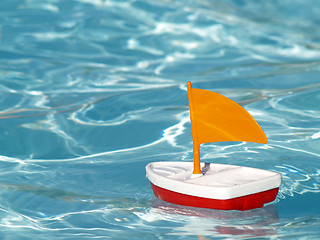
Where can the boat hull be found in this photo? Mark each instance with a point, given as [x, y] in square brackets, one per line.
[223, 187]
[243, 203]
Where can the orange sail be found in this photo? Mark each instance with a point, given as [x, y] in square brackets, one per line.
[215, 118]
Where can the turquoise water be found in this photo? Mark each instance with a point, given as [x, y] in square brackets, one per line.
[93, 90]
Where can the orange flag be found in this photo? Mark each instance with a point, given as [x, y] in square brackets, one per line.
[215, 118]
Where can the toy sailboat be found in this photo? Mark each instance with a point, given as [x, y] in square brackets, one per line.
[215, 118]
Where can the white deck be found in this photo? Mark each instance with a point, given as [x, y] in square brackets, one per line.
[220, 181]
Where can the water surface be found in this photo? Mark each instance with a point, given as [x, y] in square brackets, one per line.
[92, 91]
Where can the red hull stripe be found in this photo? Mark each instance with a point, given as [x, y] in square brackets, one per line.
[243, 203]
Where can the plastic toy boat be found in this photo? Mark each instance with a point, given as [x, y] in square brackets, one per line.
[215, 118]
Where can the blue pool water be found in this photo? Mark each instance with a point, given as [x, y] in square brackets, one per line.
[93, 90]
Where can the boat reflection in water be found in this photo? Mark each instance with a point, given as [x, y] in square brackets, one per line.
[208, 222]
